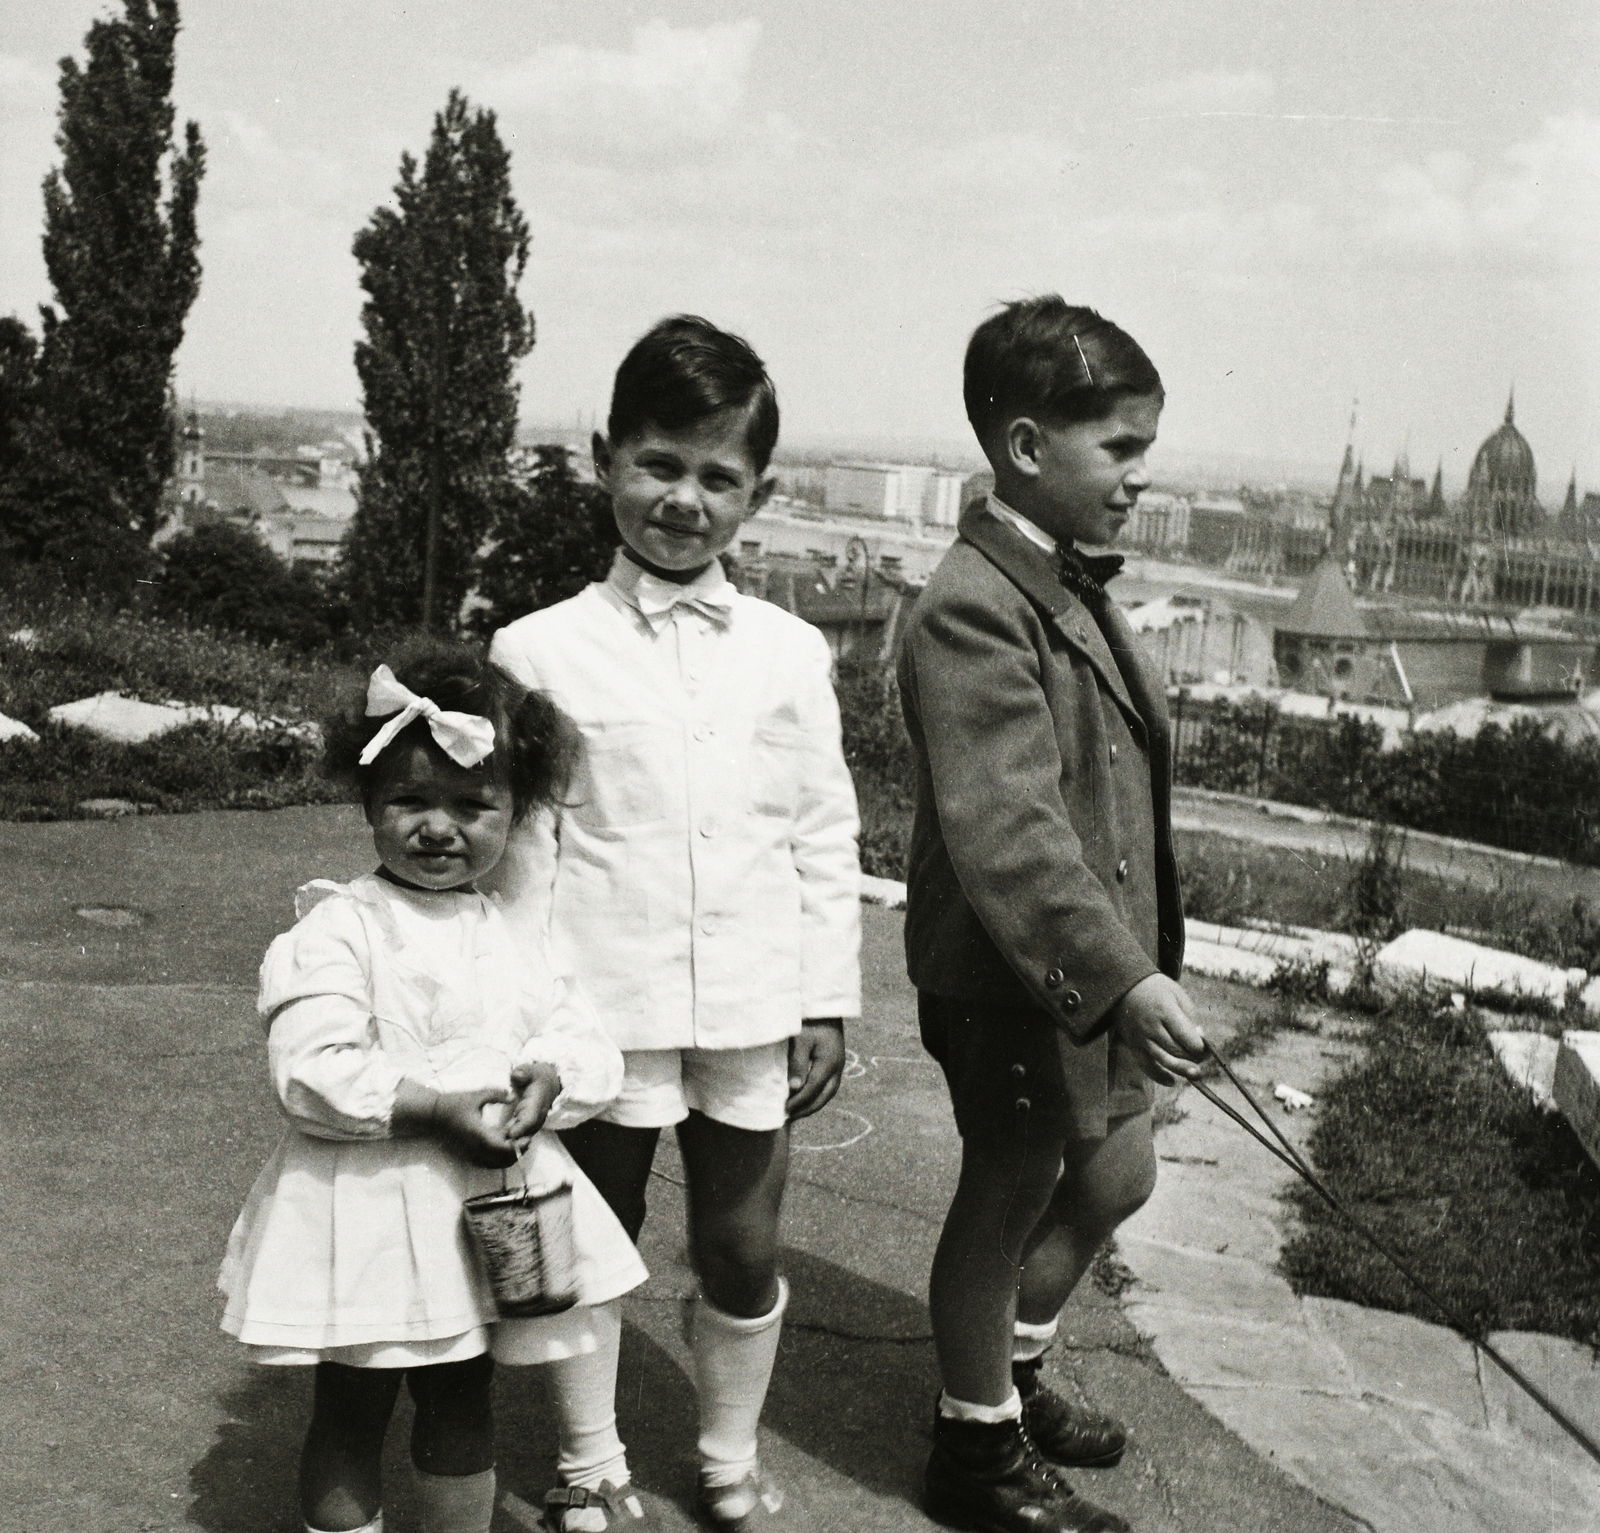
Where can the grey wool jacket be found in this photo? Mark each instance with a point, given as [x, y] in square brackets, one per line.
[1042, 869]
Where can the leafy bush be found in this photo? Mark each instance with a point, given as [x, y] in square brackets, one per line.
[200, 766]
[1515, 787]
[878, 753]
[1493, 1203]
[79, 647]
[221, 576]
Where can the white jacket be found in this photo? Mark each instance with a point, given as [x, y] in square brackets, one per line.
[703, 877]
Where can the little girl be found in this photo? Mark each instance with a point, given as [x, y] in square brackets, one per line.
[400, 1018]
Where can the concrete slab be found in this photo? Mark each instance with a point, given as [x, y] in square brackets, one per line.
[1212, 1351]
[1396, 1421]
[1451, 963]
[1529, 1059]
[15, 729]
[1400, 1358]
[1221, 961]
[116, 716]
[1575, 1087]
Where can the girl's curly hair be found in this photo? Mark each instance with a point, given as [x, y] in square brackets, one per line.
[535, 743]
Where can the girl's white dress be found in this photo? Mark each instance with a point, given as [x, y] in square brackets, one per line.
[352, 1244]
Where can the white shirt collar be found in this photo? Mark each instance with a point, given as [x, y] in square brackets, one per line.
[1035, 535]
[710, 592]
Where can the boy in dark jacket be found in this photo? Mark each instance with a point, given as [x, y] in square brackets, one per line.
[1044, 926]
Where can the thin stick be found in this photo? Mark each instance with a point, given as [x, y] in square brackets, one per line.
[1452, 1318]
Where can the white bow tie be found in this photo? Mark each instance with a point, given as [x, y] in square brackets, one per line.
[466, 738]
[657, 597]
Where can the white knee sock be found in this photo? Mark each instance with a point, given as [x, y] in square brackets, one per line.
[456, 1503]
[733, 1361]
[1031, 1341]
[583, 1390]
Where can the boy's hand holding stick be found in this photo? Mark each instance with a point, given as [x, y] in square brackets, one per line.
[1156, 1020]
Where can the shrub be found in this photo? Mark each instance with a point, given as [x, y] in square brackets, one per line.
[221, 576]
[878, 753]
[200, 766]
[1492, 1202]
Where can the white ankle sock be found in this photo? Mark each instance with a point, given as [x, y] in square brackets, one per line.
[375, 1526]
[583, 1390]
[456, 1503]
[732, 1367]
[1031, 1341]
[990, 1415]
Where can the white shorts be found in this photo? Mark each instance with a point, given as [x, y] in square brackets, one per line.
[744, 1088]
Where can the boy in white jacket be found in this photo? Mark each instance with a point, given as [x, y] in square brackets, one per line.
[703, 873]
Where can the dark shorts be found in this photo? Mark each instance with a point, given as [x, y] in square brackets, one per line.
[1006, 1068]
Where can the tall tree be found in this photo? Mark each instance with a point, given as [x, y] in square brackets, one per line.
[121, 249]
[552, 534]
[444, 332]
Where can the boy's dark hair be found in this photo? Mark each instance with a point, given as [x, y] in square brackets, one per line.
[684, 369]
[1046, 357]
[534, 741]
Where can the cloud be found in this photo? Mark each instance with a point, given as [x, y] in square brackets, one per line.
[1205, 93]
[27, 89]
[1538, 205]
[674, 85]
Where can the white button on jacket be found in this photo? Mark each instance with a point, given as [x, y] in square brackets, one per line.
[702, 878]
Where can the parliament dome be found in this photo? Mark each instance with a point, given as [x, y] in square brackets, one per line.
[1501, 489]
[1505, 461]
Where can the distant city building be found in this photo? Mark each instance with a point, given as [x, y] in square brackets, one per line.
[1159, 523]
[1330, 644]
[894, 492]
[1497, 548]
[299, 506]
[1215, 522]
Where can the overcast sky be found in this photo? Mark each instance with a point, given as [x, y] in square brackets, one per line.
[1287, 204]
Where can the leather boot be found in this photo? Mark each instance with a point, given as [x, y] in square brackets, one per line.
[991, 1479]
[1065, 1433]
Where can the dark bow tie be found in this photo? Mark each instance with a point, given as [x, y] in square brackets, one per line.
[1085, 575]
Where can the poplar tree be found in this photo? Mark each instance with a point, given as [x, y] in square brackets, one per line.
[444, 333]
[552, 534]
[94, 430]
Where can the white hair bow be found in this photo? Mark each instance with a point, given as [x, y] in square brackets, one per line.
[466, 738]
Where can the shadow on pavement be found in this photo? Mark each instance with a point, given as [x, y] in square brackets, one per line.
[855, 1383]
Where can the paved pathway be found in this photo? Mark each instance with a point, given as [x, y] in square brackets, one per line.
[1401, 1423]
[134, 1112]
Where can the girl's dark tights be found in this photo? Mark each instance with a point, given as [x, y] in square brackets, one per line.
[340, 1465]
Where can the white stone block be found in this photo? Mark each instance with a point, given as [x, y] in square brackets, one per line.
[1530, 1061]
[883, 891]
[1217, 961]
[131, 722]
[1451, 963]
[1576, 1088]
[15, 729]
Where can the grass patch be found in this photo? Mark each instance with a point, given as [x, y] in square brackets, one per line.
[1492, 1202]
[1233, 882]
[56, 649]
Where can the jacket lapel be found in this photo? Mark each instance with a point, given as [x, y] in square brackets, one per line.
[1028, 568]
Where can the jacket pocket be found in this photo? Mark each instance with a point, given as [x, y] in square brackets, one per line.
[777, 753]
[620, 778]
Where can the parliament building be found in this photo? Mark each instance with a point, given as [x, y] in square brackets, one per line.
[1497, 548]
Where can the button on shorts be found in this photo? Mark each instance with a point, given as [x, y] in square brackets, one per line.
[744, 1088]
[1003, 1065]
